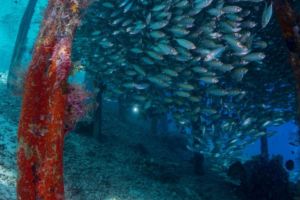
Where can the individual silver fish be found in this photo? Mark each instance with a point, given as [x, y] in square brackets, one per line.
[254, 56]
[267, 15]
[186, 44]
[215, 54]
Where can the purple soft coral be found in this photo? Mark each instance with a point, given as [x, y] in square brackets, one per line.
[76, 105]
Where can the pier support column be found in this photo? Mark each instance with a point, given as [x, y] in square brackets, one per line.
[44, 113]
[289, 22]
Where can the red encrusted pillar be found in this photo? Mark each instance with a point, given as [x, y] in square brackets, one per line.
[43, 116]
[289, 22]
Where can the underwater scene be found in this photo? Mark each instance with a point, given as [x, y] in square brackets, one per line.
[150, 100]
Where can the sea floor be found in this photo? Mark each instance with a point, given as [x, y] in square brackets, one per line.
[127, 164]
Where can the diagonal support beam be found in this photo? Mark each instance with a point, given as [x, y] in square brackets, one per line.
[20, 43]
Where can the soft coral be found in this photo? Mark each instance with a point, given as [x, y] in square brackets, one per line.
[76, 107]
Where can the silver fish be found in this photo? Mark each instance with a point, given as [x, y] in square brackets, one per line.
[267, 15]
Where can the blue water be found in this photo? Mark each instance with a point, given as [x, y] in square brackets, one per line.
[10, 17]
[279, 144]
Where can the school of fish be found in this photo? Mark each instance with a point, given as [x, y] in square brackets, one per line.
[196, 59]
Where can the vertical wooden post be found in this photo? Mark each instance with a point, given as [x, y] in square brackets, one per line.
[97, 121]
[264, 147]
[164, 124]
[122, 109]
[43, 115]
[198, 158]
[154, 122]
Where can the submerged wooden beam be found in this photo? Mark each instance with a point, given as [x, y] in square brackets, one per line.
[19, 48]
[44, 111]
[289, 22]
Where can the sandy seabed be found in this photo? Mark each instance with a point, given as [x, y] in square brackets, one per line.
[127, 164]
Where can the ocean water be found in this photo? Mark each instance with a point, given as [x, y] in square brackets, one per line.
[174, 100]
